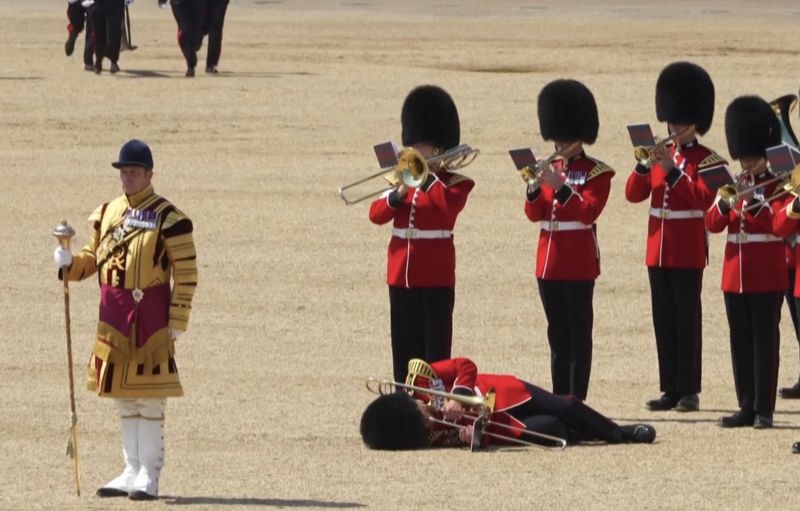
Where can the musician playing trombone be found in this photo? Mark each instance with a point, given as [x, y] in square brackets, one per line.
[567, 200]
[398, 421]
[676, 239]
[421, 256]
[753, 273]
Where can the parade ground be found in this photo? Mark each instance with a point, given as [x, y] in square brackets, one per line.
[291, 313]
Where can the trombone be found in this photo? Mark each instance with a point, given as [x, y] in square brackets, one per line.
[790, 186]
[481, 421]
[412, 169]
[645, 154]
[532, 174]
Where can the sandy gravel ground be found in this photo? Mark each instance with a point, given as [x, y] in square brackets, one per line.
[292, 311]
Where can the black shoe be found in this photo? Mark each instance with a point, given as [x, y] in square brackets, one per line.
[739, 419]
[88, 67]
[111, 492]
[98, 68]
[667, 401]
[638, 434]
[211, 70]
[762, 422]
[688, 403]
[792, 392]
[69, 46]
[141, 495]
[190, 73]
[114, 68]
[796, 447]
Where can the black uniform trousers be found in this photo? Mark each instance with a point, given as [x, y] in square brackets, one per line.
[677, 320]
[78, 18]
[422, 325]
[570, 316]
[791, 302]
[196, 18]
[565, 417]
[754, 320]
[107, 16]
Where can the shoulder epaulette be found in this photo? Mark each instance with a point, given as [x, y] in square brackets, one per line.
[712, 159]
[97, 214]
[599, 168]
[456, 178]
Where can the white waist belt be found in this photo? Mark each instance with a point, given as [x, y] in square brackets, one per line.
[419, 234]
[744, 237]
[556, 225]
[668, 214]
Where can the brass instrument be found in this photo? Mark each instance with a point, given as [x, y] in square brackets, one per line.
[532, 174]
[645, 154]
[412, 169]
[481, 420]
[782, 107]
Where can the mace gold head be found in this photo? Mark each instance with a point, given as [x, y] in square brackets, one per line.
[64, 233]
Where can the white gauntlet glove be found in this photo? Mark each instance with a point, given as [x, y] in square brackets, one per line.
[62, 257]
[175, 333]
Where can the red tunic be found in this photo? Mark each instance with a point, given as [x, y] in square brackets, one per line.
[421, 251]
[676, 242]
[568, 247]
[461, 373]
[755, 259]
[787, 225]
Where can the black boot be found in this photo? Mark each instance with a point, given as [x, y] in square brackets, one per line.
[190, 72]
[792, 392]
[114, 67]
[688, 403]
[638, 434]
[739, 419]
[667, 401]
[69, 46]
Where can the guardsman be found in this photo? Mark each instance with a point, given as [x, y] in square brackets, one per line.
[397, 422]
[567, 200]
[753, 272]
[78, 19]
[677, 250]
[107, 17]
[421, 269]
[195, 19]
[141, 247]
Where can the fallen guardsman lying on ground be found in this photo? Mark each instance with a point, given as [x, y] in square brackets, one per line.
[432, 410]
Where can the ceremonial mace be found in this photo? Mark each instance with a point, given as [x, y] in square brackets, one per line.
[64, 233]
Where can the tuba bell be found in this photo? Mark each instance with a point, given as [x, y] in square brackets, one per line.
[783, 106]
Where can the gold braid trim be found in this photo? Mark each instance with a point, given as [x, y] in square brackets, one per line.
[599, 168]
[710, 160]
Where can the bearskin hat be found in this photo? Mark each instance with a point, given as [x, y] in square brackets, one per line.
[393, 422]
[429, 115]
[685, 95]
[751, 127]
[567, 111]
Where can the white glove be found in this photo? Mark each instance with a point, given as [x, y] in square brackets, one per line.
[72, 1]
[62, 257]
[175, 333]
[87, 3]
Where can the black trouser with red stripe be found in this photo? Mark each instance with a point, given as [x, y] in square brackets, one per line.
[196, 18]
[77, 16]
[107, 16]
[570, 316]
[422, 325]
[574, 420]
[677, 320]
[754, 320]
